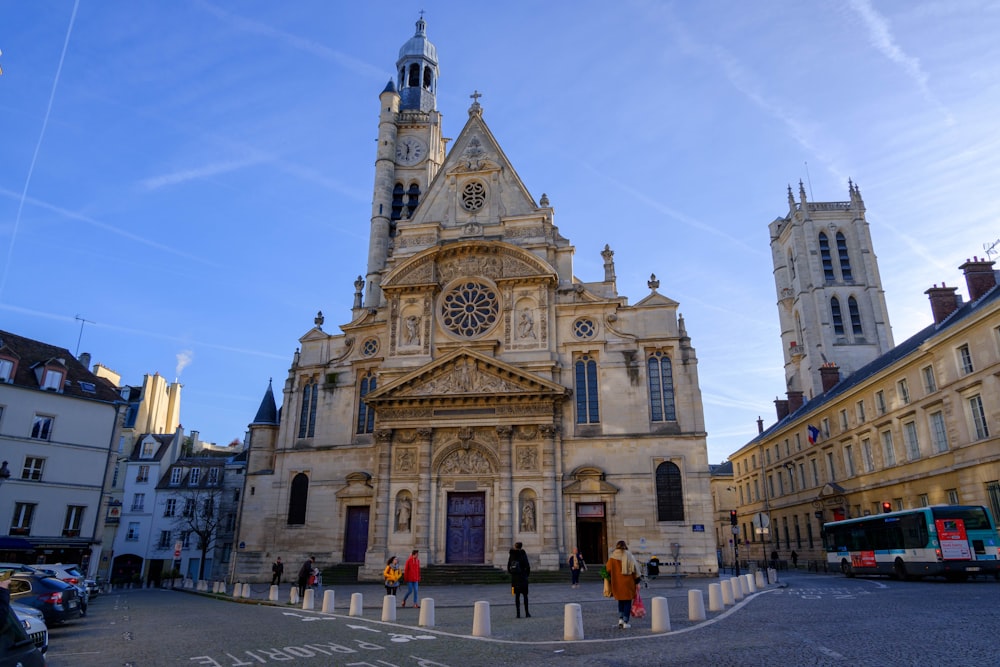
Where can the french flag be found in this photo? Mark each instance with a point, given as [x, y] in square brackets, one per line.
[813, 434]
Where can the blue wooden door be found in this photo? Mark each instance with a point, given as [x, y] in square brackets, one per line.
[466, 540]
[356, 534]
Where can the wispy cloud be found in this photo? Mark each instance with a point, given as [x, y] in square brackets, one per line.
[197, 173]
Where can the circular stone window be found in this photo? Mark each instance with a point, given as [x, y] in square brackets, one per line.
[369, 347]
[470, 308]
[473, 196]
[584, 328]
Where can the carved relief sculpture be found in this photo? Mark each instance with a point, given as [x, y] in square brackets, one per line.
[527, 458]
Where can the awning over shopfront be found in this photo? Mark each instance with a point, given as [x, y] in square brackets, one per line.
[8, 543]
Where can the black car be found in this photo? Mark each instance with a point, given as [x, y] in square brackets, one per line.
[58, 601]
[16, 647]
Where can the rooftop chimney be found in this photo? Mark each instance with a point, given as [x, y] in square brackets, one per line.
[944, 301]
[760, 425]
[979, 277]
[795, 400]
[85, 360]
[829, 374]
[781, 407]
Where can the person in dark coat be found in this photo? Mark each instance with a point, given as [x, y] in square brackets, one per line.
[519, 569]
[277, 569]
[304, 573]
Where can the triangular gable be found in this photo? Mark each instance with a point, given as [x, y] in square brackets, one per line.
[656, 300]
[465, 373]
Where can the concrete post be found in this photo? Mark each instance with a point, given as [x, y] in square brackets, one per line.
[772, 576]
[481, 619]
[308, 599]
[751, 585]
[738, 584]
[715, 597]
[272, 593]
[426, 619]
[727, 592]
[388, 608]
[357, 604]
[328, 596]
[246, 590]
[696, 605]
[572, 622]
[759, 579]
[660, 618]
[293, 596]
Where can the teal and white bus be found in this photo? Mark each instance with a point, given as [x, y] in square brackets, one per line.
[952, 541]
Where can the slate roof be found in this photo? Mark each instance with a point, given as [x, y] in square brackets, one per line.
[30, 353]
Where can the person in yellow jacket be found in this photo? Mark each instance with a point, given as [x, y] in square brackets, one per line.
[392, 575]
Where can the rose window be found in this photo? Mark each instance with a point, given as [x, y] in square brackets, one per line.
[473, 196]
[470, 308]
[370, 347]
[584, 328]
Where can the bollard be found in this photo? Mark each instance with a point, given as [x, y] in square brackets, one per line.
[751, 586]
[481, 619]
[222, 588]
[272, 593]
[328, 601]
[246, 590]
[357, 604]
[759, 579]
[715, 597]
[660, 619]
[388, 608]
[426, 619]
[727, 592]
[696, 605]
[737, 583]
[772, 576]
[200, 585]
[293, 596]
[572, 622]
[307, 599]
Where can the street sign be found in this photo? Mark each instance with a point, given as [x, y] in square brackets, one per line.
[761, 523]
[177, 549]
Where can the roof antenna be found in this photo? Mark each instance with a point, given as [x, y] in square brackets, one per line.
[82, 322]
[809, 181]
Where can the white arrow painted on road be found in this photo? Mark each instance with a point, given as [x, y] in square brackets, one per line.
[363, 627]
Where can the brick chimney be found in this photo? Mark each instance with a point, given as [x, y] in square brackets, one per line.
[829, 374]
[979, 277]
[795, 400]
[781, 407]
[944, 301]
[85, 360]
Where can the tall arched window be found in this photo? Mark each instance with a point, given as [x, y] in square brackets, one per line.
[661, 388]
[852, 309]
[798, 330]
[297, 500]
[414, 76]
[307, 414]
[845, 260]
[836, 316]
[366, 415]
[412, 199]
[791, 265]
[669, 493]
[825, 257]
[587, 405]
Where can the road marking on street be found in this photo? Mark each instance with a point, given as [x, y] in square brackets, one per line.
[829, 652]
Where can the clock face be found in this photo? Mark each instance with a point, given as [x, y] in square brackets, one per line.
[410, 150]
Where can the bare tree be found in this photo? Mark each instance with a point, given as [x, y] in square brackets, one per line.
[200, 516]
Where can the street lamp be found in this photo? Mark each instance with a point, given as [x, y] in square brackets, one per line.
[4, 472]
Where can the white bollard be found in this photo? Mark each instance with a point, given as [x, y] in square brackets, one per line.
[200, 585]
[222, 587]
[696, 605]
[388, 608]
[308, 599]
[715, 597]
[272, 593]
[246, 590]
[727, 592]
[426, 619]
[759, 579]
[572, 622]
[772, 576]
[328, 599]
[481, 619]
[357, 604]
[660, 619]
[751, 586]
[293, 596]
[737, 583]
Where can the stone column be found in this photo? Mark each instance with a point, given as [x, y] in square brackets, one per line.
[422, 527]
[383, 516]
[505, 501]
[551, 540]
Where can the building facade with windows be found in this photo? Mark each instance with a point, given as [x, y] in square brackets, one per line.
[480, 393]
[916, 426]
[58, 426]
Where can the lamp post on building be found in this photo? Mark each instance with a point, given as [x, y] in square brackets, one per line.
[4, 473]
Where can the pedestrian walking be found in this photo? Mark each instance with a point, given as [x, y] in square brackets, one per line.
[411, 575]
[277, 569]
[392, 574]
[519, 568]
[623, 572]
[576, 566]
[305, 574]
[795, 559]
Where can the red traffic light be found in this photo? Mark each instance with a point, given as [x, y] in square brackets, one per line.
[886, 508]
[732, 517]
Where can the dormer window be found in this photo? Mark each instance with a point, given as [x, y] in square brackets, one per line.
[175, 476]
[195, 477]
[52, 380]
[148, 447]
[6, 370]
[213, 476]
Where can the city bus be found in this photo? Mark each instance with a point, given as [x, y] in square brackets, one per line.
[953, 541]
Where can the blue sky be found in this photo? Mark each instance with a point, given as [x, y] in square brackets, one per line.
[194, 178]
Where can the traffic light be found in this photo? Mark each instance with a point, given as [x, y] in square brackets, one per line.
[886, 507]
[732, 517]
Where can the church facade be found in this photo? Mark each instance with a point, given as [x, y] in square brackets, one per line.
[480, 394]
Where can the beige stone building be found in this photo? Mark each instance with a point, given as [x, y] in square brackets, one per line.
[479, 393]
[914, 425]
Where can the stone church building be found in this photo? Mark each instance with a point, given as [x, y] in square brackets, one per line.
[479, 392]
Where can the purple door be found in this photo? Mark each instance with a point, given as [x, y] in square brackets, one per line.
[466, 528]
[356, 534]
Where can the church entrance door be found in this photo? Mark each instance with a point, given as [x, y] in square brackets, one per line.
[356, 534]
[466, 539]
[591, 532]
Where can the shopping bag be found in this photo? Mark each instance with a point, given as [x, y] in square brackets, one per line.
[638, 608]
[607, 588]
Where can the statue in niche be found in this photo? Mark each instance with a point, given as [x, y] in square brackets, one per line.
[404, 509]
[528, 516]
[412, 335]
[526, 327]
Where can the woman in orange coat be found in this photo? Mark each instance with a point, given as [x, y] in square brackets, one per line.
[623, 571]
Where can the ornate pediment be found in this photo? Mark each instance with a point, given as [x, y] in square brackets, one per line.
[491, 259]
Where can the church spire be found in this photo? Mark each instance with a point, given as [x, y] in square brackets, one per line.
[417, 67]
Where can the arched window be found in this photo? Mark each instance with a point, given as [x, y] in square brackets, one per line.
[427, 78]
[798, 330]
[297, 500]
[661, 388]
[366, 415]
[837, 316]
[307, 414]
[414, 75]
[791, 265]
[845, 260]
[824, 254]
[587, 411]
[412, 199]
[852, 309]
[669, 493]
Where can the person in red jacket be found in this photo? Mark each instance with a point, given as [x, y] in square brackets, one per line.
[411, 575]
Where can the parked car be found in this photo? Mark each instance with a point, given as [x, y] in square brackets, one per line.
[16, 648]
[58, 601]
[71, 575]
[34, 624]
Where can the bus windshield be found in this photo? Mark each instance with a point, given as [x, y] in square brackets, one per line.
[975, 518]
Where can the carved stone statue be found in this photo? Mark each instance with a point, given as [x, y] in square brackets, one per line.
[404, 508]
[526, 327]
[412, 324]
[528, 516]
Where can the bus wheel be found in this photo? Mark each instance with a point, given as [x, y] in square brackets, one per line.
[899, 569]
[846, 568]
